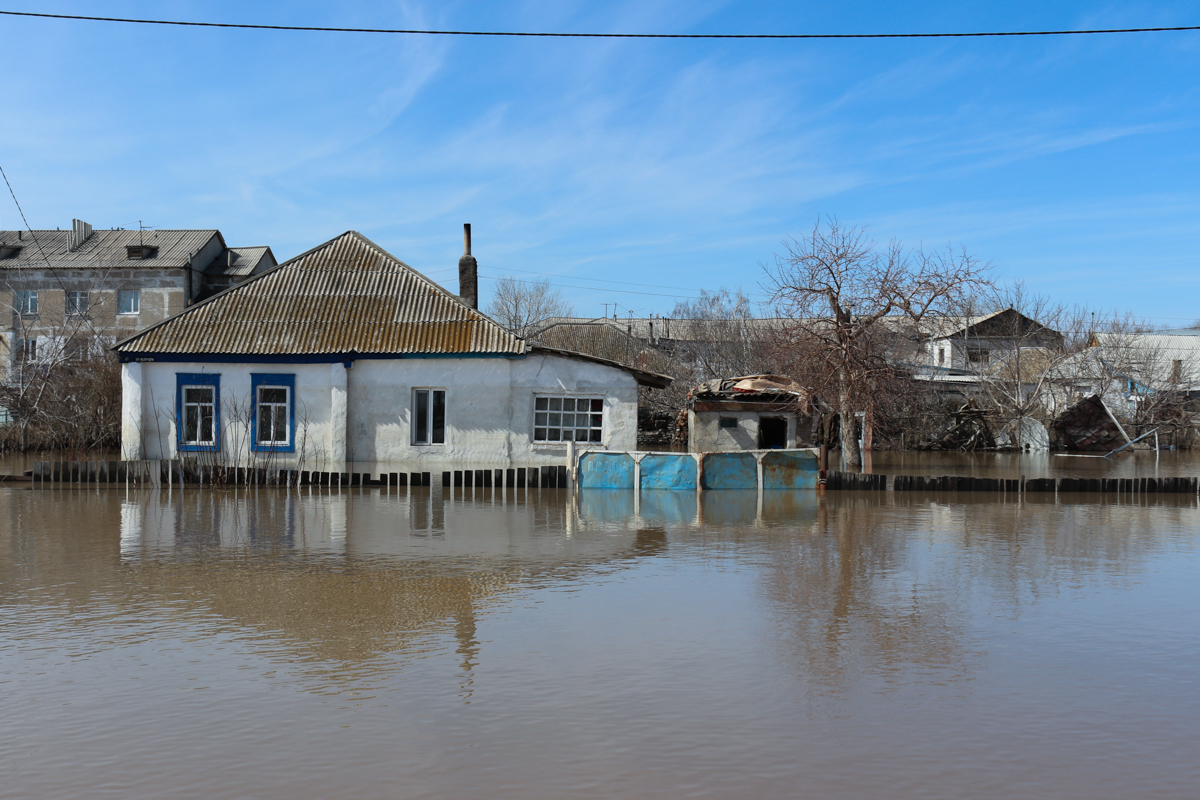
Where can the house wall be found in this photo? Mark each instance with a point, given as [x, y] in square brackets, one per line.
[363, 415]
[705, 434]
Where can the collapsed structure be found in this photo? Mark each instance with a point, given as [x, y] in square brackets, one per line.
[752, 412]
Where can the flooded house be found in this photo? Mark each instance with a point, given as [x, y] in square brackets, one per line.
[66, 292]
[753, 412]
[347, 355]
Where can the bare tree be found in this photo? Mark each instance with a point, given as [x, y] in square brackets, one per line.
[521, 305]
[839, 292]
[723, 338]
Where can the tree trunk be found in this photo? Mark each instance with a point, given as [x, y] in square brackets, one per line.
[868, 430]
[851, 457]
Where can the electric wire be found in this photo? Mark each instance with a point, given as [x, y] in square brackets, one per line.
[557, 35]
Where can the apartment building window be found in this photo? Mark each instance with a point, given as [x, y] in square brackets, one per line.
[429, 416]
[274, 419]
[568, 419]
[197, 409]
[27, 302]
[76, 350]
[77, 304]
[128, 301]
[27, 350]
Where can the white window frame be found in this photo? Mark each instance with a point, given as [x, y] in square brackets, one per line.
[27, 302]
[72, 305]
[285, 408]
[199, 416]
[27, 349]
[137, 301]
[543, 424]
[423, 434]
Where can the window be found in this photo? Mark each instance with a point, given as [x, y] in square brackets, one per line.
[28, 350]
[76, 350]
[128, 301]
[9, 251]
[137, 252]
[941, 356]
[429, 416]
[729, 422]
[198, 411]
[27, 302]
[77, 303]
[978, 355]
[274, 425]
[568, 419]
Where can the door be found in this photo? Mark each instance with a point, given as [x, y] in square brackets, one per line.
[772, 433]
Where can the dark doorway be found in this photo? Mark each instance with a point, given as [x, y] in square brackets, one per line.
[772, 433]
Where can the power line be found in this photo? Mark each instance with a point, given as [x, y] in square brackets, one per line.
[319, 29]
[597, 288]
[596, 280]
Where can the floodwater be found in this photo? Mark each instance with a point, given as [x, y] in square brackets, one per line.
[513, 644]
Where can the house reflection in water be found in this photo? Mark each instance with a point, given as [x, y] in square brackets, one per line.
[355, 580]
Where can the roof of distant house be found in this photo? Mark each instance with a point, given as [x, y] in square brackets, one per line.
[241, 261]
[118, 249]
[103, 248]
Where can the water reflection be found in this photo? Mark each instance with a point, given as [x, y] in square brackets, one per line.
[467, 641]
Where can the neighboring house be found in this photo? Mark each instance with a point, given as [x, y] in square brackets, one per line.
[346, 354]
[63, 292]
[755, 412]
[975, 343]
[1131, 370]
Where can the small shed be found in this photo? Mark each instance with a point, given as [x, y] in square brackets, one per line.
[753, 412]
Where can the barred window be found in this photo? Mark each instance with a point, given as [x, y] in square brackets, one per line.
[568, 419]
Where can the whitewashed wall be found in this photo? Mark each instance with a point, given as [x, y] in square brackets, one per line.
[489, 411]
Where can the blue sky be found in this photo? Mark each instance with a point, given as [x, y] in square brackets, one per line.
[1068, 162]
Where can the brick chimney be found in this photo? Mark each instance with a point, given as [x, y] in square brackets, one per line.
[468, 272]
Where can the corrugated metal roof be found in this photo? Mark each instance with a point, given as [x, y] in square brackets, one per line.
[347, 295]
[104, 249]
[594, 338]
[243, 262]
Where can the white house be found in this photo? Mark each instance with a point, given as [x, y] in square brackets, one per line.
[346, 355]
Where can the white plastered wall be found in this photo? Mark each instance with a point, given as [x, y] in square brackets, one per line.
[489, 411]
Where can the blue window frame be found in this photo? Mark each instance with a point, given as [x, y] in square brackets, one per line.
[197, 412]
[273, 423]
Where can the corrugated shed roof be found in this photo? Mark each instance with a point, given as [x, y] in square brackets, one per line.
[347, 295]
[240, 261]
[104, 248]
[593, 338]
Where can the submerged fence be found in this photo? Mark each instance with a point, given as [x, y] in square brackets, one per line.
[189, 473]
[669, 471]
[959, 483]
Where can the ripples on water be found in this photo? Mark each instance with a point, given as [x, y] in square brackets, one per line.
[513, 644]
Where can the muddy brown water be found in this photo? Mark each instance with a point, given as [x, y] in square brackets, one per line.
[375, 644]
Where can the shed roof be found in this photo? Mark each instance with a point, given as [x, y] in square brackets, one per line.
[348, 295]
